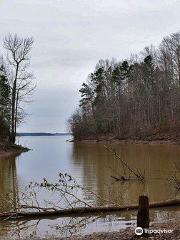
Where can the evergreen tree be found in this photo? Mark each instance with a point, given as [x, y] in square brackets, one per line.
[4, 105]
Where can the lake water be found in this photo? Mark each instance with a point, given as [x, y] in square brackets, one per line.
[91, 165]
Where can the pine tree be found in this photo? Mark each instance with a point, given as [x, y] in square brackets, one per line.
[4, 105]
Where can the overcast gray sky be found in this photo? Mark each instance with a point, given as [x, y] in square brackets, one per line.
[71, 36]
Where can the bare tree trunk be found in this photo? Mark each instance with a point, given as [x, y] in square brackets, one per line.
[16, 112]
[13, 125]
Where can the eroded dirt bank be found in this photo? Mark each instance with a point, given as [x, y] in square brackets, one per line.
[129, 234]
[7, 149]
[168, 135]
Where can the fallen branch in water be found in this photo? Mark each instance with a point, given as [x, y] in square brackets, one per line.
[122, 178]
[176, 182]
[68, 195]
[82, 210]
[137, 173]
[176, 178]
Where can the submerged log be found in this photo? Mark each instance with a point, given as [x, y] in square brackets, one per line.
[82, 210]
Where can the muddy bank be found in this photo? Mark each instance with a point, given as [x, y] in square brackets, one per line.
[133, 140]
[169, 231]
[7, 149]
[172, 228]
[129, 234]
[127, 141]
[167, 135]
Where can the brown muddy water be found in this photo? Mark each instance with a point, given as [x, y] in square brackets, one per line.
[89, 164]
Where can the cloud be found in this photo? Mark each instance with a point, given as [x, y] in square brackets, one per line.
[50, 111]
[72, 35]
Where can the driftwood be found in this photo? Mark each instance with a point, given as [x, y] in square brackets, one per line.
[82, 210]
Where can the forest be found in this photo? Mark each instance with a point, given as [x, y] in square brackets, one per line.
[136, 98]
[16, 84]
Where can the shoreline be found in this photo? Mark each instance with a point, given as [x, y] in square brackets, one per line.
[131, 141]
[8, 150]
[167, 231]
[129, 234]
[172, 229]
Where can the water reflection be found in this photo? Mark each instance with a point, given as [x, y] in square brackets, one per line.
[157, 161]
[8, 191]
[8, 184]
[75, 226]
[88, 164]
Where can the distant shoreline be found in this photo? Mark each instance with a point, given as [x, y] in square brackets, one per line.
[42, 134]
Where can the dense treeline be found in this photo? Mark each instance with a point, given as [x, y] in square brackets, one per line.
[133, 98]
[4, 105]
[16, 84]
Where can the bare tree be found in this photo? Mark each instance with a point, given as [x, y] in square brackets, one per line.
[20, 80]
